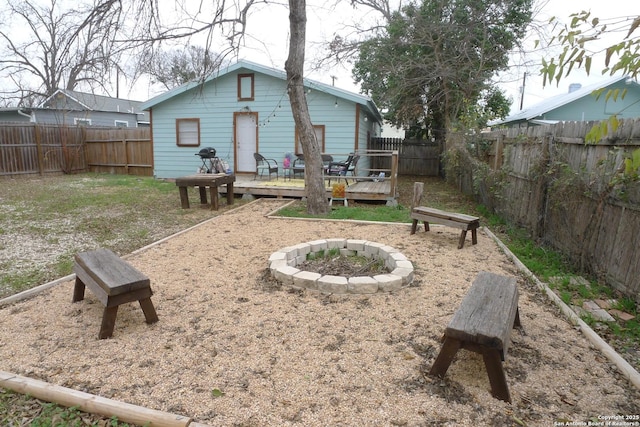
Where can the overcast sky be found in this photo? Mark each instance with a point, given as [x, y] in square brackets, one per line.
[267, 42]
[268, 37]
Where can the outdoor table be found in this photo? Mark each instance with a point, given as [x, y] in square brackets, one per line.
[202, 181]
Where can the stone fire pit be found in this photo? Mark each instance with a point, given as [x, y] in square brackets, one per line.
[283, 265]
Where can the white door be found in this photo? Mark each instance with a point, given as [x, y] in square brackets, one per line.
[246, 141]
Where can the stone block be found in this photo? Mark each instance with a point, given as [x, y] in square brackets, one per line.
[302, 249]
[405, 273]
[371, 249]
[274, 265]
[306, 279]
[318, 245]
[356, 245]
[278, 256]
[333, 284]
[285, 274]
[388, 282]
[336, 243]
[347, 252]
[362, 285]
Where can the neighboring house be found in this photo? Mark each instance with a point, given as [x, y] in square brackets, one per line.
[580, 104]
[72, 108]
[243, 109]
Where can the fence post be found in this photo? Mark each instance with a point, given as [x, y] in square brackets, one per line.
[394, 173]
[40, 155]
[126, 154]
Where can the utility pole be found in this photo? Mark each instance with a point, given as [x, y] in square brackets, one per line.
[524, 81]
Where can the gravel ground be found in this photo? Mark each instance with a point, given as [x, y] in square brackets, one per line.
[285, 357]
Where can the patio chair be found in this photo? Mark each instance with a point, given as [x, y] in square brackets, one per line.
[352, 167]
[298, 165]
[263, 164]
[342, 168]
[326, 161]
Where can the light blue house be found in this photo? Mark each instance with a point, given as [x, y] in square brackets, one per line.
[595, 102]
[244, 109]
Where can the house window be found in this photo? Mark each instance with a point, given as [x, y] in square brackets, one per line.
[245, 87]
[319, 131]
[81, 122]
[188, 132]
[122, 124]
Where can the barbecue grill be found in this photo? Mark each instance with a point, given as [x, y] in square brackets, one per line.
[208, 153]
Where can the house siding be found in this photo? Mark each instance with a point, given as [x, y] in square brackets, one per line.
[599, 108]
[215, 104]
[98, 118]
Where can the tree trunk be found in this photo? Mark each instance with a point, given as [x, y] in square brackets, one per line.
[317, 202]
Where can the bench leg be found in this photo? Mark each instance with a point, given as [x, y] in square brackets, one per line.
[474, 236]
[414, 226]
[463, 236]
[493, 364]
[230, 193]
[108, 322]
[149, 311]
[214, 197]
[184, 197]
[78, 291]
[203, 195]
[516, 320]
[449, 349]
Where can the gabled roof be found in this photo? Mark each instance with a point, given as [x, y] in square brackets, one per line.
[539, 109]
[248, 65]
[63, 98]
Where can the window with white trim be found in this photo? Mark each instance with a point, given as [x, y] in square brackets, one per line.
[121, 124]
[81, 122]
[188, 132]
[246, 87]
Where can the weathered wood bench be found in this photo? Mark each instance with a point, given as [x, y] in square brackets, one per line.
[450, 219]
[202, 181]
[483, 324]
[113, 281]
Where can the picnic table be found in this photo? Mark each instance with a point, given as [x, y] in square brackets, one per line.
[202, 181]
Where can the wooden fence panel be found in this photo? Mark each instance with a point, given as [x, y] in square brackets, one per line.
[41, 149]
[123, 151]
[36, 149]
[567, 193]
[414, 157]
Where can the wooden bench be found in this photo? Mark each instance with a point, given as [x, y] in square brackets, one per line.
[202, 181]
[113, 281]
[427, 215]
[483, 324]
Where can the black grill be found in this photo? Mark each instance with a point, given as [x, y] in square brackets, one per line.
[207, 153]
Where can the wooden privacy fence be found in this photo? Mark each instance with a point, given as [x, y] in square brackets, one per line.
[567, 193]
[414, 157]
[119, 151]
[37, 149]
[45, 149]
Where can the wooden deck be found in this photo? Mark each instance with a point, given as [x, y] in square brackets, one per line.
[366, 190]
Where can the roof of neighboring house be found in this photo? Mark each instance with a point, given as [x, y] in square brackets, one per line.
[244, 64]
[88, 101]
[539, 109]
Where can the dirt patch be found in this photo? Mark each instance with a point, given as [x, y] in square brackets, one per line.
[346, 266]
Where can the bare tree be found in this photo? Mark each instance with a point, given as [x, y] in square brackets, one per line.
[316, 198]
[175, 67]
[62, 48]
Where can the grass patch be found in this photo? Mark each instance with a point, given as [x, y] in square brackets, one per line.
[360, 212]
[14, 406]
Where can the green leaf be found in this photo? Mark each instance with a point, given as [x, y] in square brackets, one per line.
[217, 393]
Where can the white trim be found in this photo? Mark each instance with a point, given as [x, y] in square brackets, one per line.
[79, 121]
